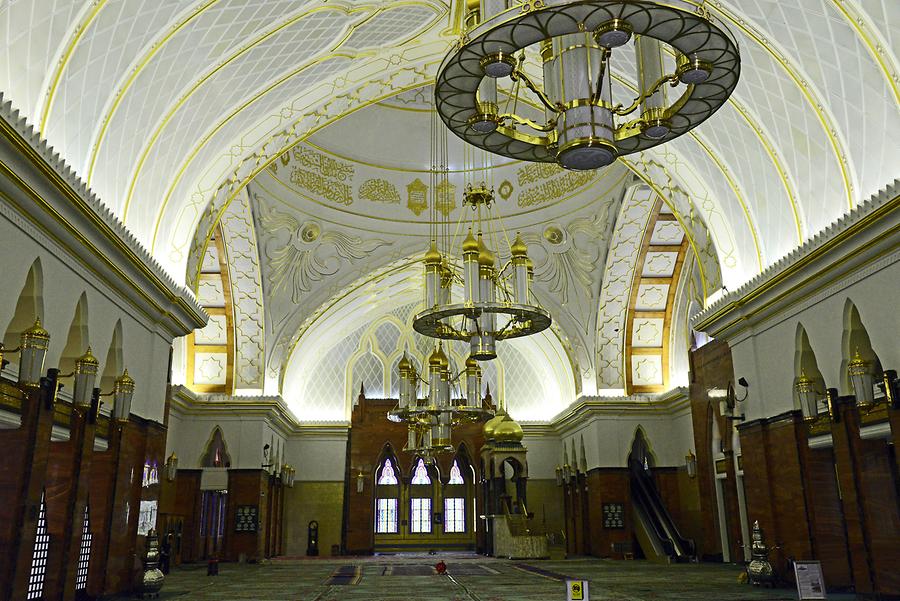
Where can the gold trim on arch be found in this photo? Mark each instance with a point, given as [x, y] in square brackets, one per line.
[687, 232]
[174, 108]
[132, 76]
[332, 54]
[751, 225]
[64, 61]
[829, 128]
[860, 24]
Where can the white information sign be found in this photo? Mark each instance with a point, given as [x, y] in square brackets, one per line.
[577, 590]
[810, 584]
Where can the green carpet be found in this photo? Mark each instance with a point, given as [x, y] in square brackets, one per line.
[471, 578]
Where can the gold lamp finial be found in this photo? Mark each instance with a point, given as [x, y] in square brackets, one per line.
[518, 247]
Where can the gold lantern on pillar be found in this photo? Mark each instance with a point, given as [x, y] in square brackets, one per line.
[862, 379]
[32, 351]
[123, 394]
[86, 368]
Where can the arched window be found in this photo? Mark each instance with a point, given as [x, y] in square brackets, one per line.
[455, 474]
[387, 474]
[387, 503]
[455, 501]
[420, 476]
[420, 500]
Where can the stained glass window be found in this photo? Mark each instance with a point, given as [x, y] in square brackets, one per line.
[420, 476]
[455, 474]
[420, 515]
[455, 514]
[386, 516]
[387, 475]
[39, 556]
[84, 554]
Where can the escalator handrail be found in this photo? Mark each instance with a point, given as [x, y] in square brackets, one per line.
[652, 523]
[682, 545]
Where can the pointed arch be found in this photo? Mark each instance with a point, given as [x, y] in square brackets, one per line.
[419, 473]
[216, 453]
[388, 478]
[29, 307]
[641, 450]
[855, 339]
[115, 361]
[388, 453]
[78, 339]
[805, 363]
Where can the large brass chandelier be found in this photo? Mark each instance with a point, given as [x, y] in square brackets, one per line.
[431, 418]
[497, 300]
[583, 126]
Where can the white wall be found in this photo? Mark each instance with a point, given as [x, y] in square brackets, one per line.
[766, 358]
[145, 347]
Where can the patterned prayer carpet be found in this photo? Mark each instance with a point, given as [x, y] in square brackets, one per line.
[471, 578]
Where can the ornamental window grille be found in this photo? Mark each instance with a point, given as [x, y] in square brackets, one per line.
[386, 516]
[420, 515]
[84, 554]
[39, 556]
[454, 514]
[420, 476]
[456, 474]
[387, 475]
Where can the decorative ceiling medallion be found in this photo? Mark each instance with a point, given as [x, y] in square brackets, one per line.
[583, 126]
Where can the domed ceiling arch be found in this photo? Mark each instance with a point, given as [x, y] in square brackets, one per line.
[109, 83]
[172, 109]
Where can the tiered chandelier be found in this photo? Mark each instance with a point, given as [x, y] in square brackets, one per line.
[430, 419]
[583, 126]
[497, 301]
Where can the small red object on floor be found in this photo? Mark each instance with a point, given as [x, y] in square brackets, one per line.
[441, 567]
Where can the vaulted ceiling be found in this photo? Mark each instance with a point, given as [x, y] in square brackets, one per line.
[173, 109]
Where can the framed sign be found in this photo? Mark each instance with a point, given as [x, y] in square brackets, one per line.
[810, 584]
[614, 516]
[245, 518]
[577, 590]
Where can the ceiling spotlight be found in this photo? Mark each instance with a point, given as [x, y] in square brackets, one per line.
[656, 128]
[587, 155]
[498, 64]
[692, 71]
[487, 119]
[613, 34]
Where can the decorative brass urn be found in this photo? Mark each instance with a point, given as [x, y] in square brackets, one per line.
[760, 570]
[152, 578]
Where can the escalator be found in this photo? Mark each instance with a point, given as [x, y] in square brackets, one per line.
[655, 530]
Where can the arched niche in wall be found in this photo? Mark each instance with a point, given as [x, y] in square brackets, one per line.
[641, 452]
[114, 364]
[216, 451]
[29, 307]
[513, 471]
[805, 363]
[78, 339]
[855, 340]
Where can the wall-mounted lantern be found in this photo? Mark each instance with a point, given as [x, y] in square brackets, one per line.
[172, 467]
[690, 463]
[862, 379]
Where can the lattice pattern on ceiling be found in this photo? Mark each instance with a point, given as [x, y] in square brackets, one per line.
[89, 75]
[368, 372]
